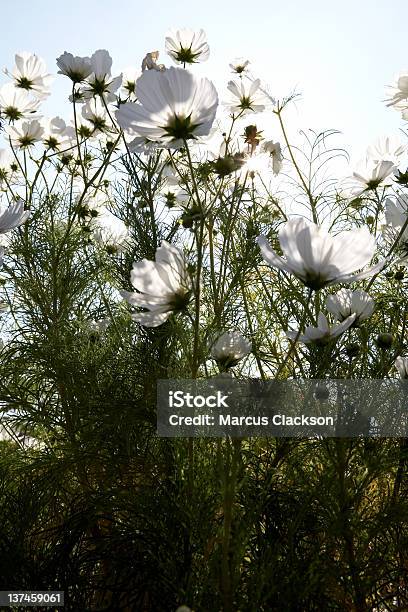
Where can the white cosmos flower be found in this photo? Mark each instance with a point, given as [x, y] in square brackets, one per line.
[30, 73]
[398, 93]
[230, 348]
[173, 106]
[187, 47]
[74, 67]
[129, 78]
[9, 169]
[109, 231]
[396, 212]
[163, 286]
[57, 135]
[25, 134]
[319, 259]
[275, 151]
[98, 327]
[347, 302]
[100, 81]
[170, 187]
[95, 112]
[323, 333]
[246, 97]
[93, 204]
[396, 215]
[13, 216]
[401, 363]
[386, 148]
[16, 103]
[239, 65]
[370, 174]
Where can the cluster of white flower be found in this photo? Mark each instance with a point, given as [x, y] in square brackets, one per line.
[169, 111]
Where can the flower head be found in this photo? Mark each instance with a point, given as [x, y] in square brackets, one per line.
[401, 363]
[275, 151]
[346, 303]
[25, 134]
[13, 216]
[386, 148]
[239, 65]
[109, 231]
[187, 47]
[100, 81]
[396, 213]
[74, 67]
[370, 174]
[129, 78]
[16, 103]
[246, 97]
[57, 135]
[230, 348]
[163, 286]
[398, 93]
[323, 333]
[319, 259]
[8, 168]
[173, 106]
[95, 112]
[30, 73]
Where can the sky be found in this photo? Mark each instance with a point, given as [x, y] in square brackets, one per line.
[338, 55]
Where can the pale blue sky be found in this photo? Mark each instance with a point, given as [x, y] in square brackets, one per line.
[339, 55]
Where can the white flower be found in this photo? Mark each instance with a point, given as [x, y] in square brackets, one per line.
[129, 78]
[109, 231]
[13, 216]
[57, 135]
[16, 103]
[259, 163]
[399, 92]
[8, 168]
[30, 73]
[386, 148]
[323, 333]
[150, 62]
[230, 348]
[164, 286]
[101, 82]
[173, 106]
[171, 189]
[370, 174]
[74, 67]
[347, 302]
[187, 47]
[319, 259]
[401, 363]
[25, 133]
[93, 204]
[98, 327]
[246, 97]
[275, 151]
[396, 213]
[94, 111]
[239, 65]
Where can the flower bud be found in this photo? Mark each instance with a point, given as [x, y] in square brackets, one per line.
[352, 349]
[385, 340]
